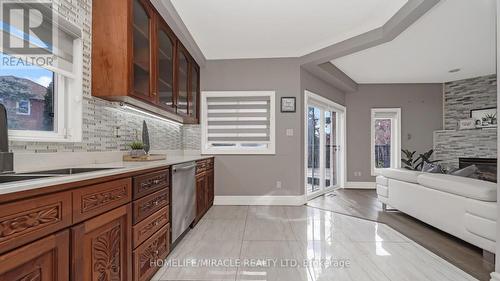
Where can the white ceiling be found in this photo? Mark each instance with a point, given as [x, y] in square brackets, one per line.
[228, 29]
[454, 34]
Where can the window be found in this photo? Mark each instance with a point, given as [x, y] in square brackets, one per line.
[385, 139]
[23, 107]
[38, 89]
[238, 122]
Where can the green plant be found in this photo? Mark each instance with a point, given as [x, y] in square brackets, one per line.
[136, 145]
[491, 116]
[416, 164]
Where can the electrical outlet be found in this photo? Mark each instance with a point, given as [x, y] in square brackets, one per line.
[357, 174]
[278, 184]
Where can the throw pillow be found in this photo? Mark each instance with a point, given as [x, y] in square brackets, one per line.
[468, 172]
[432, 168]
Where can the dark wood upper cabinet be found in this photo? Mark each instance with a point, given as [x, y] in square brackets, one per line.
[142, 58]
[165, 66]
[194, 92]
[137, 59]
[183, 80]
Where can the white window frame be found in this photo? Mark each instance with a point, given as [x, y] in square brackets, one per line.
[22, 113]
[68, 106]
[395, 115]
[206, 149]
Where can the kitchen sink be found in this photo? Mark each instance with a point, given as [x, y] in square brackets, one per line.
[15, 178]
[67, 171]
[6, 178]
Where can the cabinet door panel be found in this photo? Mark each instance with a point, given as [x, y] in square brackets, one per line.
[165, 68]
[194, 92]
[148, 255]
[211, 187]
[27, 220]
[142, 49]
[148, 205]
[143, 230]
[182, 81]
[96, 199]
[148, 183]
[201, 185]
[44, 260]
[102, 247]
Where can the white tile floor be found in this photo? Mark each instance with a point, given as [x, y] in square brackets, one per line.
[268, 241]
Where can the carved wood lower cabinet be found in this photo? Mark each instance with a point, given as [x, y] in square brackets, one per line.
[204, 187]
[149, 256]
[44, 260]
[105, 229]
[102, 247]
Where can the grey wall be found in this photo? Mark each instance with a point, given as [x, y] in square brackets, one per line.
[256, 175]
[422, 113]
[319, 87]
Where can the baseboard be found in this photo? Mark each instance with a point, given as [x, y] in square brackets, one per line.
[360, 185]
[260, 200]
[495, 276]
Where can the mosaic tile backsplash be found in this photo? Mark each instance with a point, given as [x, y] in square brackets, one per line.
[106, 127]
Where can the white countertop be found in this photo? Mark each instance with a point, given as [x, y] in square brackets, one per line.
[121, 167]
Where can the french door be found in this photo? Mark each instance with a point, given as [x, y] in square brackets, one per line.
[325, 123]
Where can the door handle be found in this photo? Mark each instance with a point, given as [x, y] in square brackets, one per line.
[184, 168]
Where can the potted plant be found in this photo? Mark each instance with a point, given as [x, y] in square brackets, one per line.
[491, 119]
[137, 149]
[416, 164]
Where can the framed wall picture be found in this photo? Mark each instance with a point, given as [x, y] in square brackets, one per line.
[467, 124]
[288, 104]
[485, 117]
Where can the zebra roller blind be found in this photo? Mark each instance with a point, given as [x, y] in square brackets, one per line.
[238, 122]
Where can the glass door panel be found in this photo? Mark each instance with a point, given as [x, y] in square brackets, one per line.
[328, 149]
[383, 139]
[183, 70]
[335, 155]
[323, 148]
[193, 98]
[142, 49]
[313, 144]
[165, 70]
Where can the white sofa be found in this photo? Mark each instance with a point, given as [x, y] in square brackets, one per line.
[463, 207]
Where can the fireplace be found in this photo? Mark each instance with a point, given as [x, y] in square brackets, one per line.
[487, 167]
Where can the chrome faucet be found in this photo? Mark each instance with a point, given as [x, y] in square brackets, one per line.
[6, 157]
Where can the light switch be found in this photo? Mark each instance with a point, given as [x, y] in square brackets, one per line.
[289, 132]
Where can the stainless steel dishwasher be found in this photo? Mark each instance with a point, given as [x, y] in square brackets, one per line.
[183, 198]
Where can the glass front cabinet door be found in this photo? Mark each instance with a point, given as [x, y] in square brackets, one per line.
[142, 50]
[183, 81]
[165, 61]
[194, 90]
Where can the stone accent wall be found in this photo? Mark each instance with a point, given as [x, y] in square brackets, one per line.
[105, 126]
[451, 145]
[460, 97]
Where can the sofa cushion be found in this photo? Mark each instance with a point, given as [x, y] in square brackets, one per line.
[401, 174]
[480, 227]
[466, 187]
[382, 180]
[486, 210]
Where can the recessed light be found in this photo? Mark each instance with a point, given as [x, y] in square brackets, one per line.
[454, 70]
